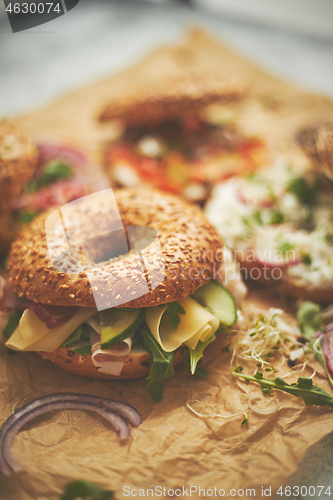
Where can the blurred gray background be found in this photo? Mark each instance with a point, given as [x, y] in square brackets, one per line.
[291, 38]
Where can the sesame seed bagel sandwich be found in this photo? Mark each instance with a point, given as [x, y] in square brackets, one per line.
[117, 285]
[170, 137]
[37, 176]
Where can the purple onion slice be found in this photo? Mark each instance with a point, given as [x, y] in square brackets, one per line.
[124, 409]
[326, 345]
[6, 439]
[113, 411]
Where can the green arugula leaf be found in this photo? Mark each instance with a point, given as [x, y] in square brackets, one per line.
[85, 489]
[80, 334]
[84, 350]
[304, 388]
[200, 371]
[197, 353]
[12, 323]
[173, 311]
[52, 172]
[162, 368]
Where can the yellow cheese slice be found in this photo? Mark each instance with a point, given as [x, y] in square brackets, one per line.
[33, 335]
[31, 327]
[197, 324]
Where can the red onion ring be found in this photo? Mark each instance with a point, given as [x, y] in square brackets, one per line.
[113, 411]
[6, 442]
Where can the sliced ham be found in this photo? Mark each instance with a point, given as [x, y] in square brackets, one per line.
[110, 361]
[52, 316]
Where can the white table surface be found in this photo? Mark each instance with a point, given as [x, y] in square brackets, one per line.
[98, 38]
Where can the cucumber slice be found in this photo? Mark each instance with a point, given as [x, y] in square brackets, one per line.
[218, 301]
[122, 323]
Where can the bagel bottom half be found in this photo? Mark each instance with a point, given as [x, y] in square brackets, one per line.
[136, 364]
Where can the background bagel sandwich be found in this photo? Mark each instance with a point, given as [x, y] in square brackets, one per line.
[156, 301]
[279, 224]
[35, 177]
[172, 142]
[18, 161]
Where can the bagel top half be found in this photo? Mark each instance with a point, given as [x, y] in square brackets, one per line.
[169, 98]
[187, 249]
[18, 160]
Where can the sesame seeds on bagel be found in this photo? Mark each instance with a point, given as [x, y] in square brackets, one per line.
[187, 249]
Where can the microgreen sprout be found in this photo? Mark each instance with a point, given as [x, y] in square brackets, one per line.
[262, 338]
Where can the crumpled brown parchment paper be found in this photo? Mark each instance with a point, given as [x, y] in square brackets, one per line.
[173, 448]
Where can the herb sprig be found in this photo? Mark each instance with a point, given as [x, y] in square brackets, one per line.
[304, 387]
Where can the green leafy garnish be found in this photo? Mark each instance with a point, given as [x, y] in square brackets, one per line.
[85, 489]
[173, 311]
[197, 353]
[306, 259]
[27, 217]
[12, 323]
[162, 368]
[309, 320]
[239, 369]
[81, 334]
[245, 421]
[200, 371]
[306, 193]
[52, 172]
[304, 388]
[285, 247]
[254, 218]
[75, 336]
[276, 217]
[84, 350]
